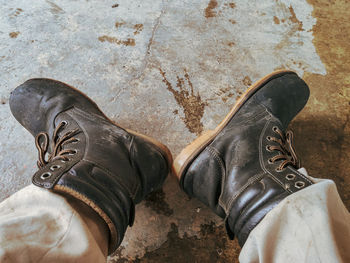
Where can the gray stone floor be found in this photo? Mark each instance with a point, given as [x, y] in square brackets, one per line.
[171, 69]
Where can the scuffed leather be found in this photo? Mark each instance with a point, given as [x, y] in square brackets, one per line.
[112, 168]
[232, 174]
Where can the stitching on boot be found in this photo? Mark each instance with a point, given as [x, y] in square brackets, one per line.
[55, 177]
[131, 152]
[221, 173]
[301, 175]
[250, 181]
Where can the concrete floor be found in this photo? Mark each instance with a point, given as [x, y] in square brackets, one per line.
[172, 69]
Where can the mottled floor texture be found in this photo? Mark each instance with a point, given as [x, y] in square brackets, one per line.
[172, 69]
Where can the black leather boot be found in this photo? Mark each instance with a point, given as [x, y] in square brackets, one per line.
[247, 165]
[84, 154]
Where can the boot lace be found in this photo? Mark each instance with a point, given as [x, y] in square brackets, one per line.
[42, 143]
[285, 148]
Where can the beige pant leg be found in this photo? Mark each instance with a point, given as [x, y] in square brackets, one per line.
[37, 225]
[311, 225]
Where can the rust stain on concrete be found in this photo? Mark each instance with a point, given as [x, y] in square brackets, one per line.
[232, 5]
[14, 34]
[127, 42]
[232, 21]
[294, 19]
[225, 93]
[324, 125]
[119, 24]
[276, 20]
[294, 23]
[17, 12]
[247, 81]
[55, 9]
[213, 245]
[138, 28]
[191, 103]
[209, 11]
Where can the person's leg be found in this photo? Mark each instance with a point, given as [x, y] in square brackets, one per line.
[246, 170]
[311, 225]
[91, 174]
[37, 225]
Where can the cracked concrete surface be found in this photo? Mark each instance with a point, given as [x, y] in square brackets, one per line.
[172, 69]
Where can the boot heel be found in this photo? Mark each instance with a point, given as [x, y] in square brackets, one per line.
[190, 151]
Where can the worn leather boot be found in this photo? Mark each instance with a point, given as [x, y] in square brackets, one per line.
[85, 155]
[247, 165]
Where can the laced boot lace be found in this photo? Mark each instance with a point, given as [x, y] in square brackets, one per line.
[42, 143]
[285, 148]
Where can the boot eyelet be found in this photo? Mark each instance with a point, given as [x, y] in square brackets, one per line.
[73, 152]
[290, 177]
[65, 123]
[299, 184]
[55, 167]
[270, 161]
[46, 175]
[268, 138]
[274, 128]
[278, 170]
[76, 140]
[268, 148]
[65, 160]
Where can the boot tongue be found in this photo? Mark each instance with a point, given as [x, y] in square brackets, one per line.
[290, 148]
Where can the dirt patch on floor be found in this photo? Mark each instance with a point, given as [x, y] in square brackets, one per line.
[188, 100]
[213, 246]
[127, 42]
[156, 201]
[14, 34]
[293, 18]
[209, 11]
[138, 28]
[290, 19]
[323, 127]
[247, 81]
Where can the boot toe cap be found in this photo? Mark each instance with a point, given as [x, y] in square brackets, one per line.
[36, 102]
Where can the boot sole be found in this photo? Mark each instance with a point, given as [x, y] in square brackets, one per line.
[163, 149]
[191, 151]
